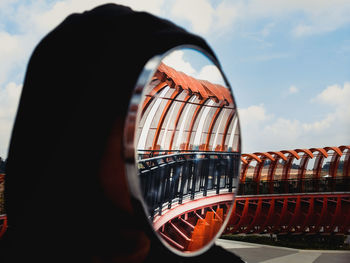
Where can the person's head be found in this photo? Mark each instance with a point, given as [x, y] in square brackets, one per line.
[66, 192]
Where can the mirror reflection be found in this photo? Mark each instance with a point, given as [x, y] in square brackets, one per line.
[187, 145]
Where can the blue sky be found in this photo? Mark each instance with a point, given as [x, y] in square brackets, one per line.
[287, 61]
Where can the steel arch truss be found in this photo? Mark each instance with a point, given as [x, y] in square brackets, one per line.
[319, 170]
[301, 191]
[295, 214]
[181, 113]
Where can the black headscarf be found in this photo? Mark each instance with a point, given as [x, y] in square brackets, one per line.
[79, 80]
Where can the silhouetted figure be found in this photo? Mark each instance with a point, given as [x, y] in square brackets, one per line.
[74, 204]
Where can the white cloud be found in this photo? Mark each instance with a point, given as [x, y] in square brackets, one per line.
[6, 3]
[262, 131]
[9, 96]
[177, 61]
[198, 12]
[8, 100]
[211, 73]
[151, 6]
[41, 17]
[253, 115]
[322, 17]
[10, 54]
[292, 89]
[204, 17]
[226, 14]
[335, 95]
[313, 16]
[180, 60]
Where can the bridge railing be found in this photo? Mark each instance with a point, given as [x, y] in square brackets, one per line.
[306, 185]
[172, 178]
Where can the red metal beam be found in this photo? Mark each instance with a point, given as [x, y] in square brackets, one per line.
[296, 213]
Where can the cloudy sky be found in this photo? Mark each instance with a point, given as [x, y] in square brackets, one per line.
[288, 61]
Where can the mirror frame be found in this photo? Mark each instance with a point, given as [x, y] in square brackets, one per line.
[129, 134]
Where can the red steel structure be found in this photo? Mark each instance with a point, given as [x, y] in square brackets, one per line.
[181, 113]
[301, 191]
[324, 213]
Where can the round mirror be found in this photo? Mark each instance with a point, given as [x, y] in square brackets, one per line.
[182, 143]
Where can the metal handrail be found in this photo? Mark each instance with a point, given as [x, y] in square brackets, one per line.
[185, 175]
[285, 186]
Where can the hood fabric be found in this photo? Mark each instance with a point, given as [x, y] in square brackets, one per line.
[79, 80]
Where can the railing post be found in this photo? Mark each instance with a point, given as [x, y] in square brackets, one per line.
[206, 174]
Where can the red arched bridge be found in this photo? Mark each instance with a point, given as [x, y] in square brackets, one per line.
[302, 191]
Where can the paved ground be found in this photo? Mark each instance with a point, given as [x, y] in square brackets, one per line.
[253, 253]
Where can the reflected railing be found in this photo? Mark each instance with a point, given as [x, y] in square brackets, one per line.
[173, 177]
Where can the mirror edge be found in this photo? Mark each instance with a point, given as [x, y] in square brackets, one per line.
[130, 155]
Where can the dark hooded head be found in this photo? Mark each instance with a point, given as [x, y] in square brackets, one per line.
[75, 97]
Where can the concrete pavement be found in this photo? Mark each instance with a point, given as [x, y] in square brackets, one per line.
[254, 253]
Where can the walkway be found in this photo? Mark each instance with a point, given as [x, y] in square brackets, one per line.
[253, 253]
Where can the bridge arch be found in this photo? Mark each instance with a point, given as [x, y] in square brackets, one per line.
[248, 158]
[264, 157]
[273, 166]
[311, 209]
[346, 164]
[181, 113]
